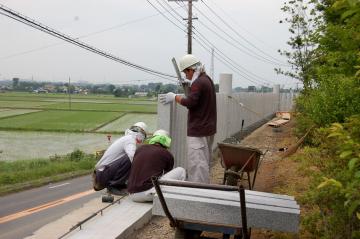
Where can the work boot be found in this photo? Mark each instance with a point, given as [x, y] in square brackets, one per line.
[116, 191]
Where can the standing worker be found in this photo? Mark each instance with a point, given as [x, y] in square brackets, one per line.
[113, 169]
[201, 124]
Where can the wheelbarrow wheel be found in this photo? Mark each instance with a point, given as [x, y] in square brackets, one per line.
[187, 234]
[231, 180]
[107, 198]
[179, 233]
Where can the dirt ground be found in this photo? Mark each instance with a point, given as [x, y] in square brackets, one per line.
[273, 171]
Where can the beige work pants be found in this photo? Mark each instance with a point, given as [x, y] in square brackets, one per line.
[199, 155]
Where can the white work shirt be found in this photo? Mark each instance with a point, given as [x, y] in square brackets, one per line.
[118, 149]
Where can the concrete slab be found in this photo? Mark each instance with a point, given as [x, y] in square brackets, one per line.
[59, 227]
[227, 212]
[250, 196]
[117, 221]
[278, 122]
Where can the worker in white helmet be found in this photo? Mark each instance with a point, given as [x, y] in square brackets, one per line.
[150, 160]
[113, 169]
[201, 125]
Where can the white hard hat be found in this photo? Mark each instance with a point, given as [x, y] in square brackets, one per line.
[187, 61]
[161, 132]
[142, 125]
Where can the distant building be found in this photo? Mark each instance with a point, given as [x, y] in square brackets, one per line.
[40, 91]
[140, 94]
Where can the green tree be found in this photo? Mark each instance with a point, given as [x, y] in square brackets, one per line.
[304, 24]
[15, 82]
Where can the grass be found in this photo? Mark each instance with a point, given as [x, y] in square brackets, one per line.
[12, 112]
[122, 123]
[71, 121]
[20, 174]
[121, 107]
[24, 104]
[21, 96]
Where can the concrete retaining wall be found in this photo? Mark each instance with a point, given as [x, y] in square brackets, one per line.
[232, 110]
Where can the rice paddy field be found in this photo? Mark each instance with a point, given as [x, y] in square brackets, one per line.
[42, 125]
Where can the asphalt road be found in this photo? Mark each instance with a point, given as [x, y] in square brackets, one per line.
[23, 213]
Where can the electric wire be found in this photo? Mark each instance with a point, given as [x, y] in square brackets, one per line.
[228, 64]
[232, 62]
[32, 23]
[248, 51]
[225, 58]
[243, 38]
[165, 16]
[80, 37]
[248, 32]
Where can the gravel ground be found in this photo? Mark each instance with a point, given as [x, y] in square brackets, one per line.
[264, 138]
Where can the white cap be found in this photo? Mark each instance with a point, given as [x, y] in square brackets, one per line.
[142, 125]
[187, 61]
[161, 132]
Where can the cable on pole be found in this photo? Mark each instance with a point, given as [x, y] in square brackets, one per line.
[37, 25]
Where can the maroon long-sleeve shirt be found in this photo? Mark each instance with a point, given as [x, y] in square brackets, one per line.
[149, 160]
[201, 103]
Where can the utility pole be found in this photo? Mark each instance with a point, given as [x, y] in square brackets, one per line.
[212, 64]
[189, 22]
[189, 51]
[69, 95]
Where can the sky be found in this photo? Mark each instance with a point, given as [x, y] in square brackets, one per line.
[246, 35]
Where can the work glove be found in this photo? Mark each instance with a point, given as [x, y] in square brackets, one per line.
[167, 98]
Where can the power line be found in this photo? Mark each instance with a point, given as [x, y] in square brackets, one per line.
[232, 62]
[251, 34]
[80, 37]
[224, 58]
[165, 15]
[32, 23]
[248, 51]
[228, 63]
[237, 33]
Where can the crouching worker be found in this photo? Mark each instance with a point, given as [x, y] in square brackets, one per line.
[150, 160]
[113, 169]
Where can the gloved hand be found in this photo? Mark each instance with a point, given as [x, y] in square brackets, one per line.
[168, 98]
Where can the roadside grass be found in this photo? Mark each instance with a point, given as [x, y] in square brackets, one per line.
[71, 121]
[22, 174]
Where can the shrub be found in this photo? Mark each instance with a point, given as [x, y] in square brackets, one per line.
[335, 187]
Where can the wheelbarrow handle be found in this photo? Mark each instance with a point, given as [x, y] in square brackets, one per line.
[155, 181]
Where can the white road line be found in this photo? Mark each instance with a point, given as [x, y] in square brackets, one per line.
[60, 185]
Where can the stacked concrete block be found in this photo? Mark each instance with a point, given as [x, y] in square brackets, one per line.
[264, 210]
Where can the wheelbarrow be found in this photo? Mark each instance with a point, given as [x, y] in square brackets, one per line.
[239, 160]
[192, 229]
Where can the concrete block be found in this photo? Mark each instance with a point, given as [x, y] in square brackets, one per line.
[227, 212]
[117, 221]
[254, 197]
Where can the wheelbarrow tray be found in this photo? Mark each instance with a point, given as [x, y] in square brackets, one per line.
[239, 156]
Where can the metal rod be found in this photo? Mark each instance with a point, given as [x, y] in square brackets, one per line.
[243, 212]
[155, 181]
[88, 218]
[198, 185]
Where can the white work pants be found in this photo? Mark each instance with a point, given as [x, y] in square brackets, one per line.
[199, 155]
[176, 174]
